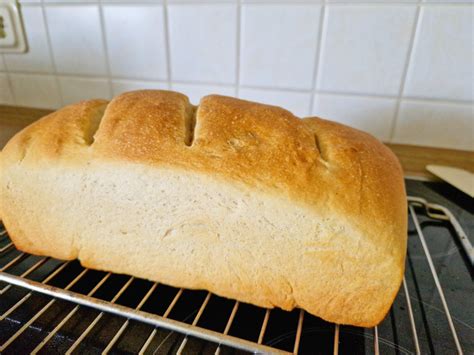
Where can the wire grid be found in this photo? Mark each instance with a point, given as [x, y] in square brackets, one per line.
[191, 327]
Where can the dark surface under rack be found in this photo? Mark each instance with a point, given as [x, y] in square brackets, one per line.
[88, 311]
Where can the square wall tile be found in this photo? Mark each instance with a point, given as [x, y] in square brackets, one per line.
[39, 91]
[136, 41]
[277, 1]
[450, 1]
[6, 97]
[76, 89]
[76, 38]
[365, 48]
[37, 58]
[428, 123]
[121, 86]
[373, 1]
[370, 114]
[278, 45]
[199, 1]
[443, 57]
[131, 1]
[296, 102]
[71, 1]
[197, 92]
[203, 41]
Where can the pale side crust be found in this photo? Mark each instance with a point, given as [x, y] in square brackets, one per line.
[312, 162]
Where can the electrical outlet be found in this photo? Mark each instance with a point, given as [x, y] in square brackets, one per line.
[12, 36]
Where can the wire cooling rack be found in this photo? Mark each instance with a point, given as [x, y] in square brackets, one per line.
[51, 305]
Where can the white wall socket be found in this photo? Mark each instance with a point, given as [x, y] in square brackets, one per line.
[12, 36]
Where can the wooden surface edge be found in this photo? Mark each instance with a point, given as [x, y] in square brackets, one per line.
[413, 158]
[20, 116]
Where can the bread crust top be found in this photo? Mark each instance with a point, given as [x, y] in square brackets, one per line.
[323, 165]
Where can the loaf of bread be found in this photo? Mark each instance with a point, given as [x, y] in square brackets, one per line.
[239, 198]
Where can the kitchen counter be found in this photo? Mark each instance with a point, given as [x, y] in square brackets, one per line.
[413, 158]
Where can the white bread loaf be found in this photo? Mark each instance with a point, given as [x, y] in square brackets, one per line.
[242, 199]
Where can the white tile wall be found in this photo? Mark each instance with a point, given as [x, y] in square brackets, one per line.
[35, 90]
[75, 89]
[129, 1]
[399, 69]
[296, 102]
[449, 2]
[136, 41]
[121, 86]
[6, 97]
[373, 115]
[76, 39]
[67, 1]
[365, 48]
[443, 59]
[195, 91]
[38, 58]
[203, 42]
[279, 44]
[437, 124]
[2, 64]
[374, 1]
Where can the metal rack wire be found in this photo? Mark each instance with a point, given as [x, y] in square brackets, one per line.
[24, 272]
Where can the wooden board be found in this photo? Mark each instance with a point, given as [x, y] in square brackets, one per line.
[459, 178]
[414, 159]
[20, 116]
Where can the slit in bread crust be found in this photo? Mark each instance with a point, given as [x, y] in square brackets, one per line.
[190, 125]
[93, 125]
[320, 149]
[26, 147]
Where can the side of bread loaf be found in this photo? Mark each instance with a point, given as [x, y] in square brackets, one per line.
[242, 199]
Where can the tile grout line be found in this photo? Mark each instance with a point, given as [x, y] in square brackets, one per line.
[106, 49]
[354, 94]
[255, 87]
[238, 48]
[318, 55]
[51, 54]
[413, 39]
[167, 44]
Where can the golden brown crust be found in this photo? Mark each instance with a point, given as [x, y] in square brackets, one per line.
[266, 147]
[312, 162]
[59, 135]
